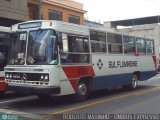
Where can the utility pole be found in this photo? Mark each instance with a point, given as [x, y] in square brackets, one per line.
[40, 9]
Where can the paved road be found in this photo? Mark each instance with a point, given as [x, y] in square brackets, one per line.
[143, 100]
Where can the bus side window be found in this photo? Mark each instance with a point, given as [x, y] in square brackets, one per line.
[141, 45]
[72, 43]
[74, 49]
[150, 46]
[98, 41]
[129, 44]
[114, 43]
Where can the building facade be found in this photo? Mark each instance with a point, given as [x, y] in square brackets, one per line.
[62, 10]
[13, 11]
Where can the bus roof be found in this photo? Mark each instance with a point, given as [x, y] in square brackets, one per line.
[52, 24]
[63, 27]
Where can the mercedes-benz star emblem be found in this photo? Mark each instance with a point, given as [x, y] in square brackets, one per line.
[24, 77]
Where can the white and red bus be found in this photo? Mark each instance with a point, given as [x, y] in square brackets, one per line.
[53, 57]
[4, 49]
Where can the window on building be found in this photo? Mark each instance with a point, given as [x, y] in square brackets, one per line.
[114, 43]
[74, 19]
[98, 41]
[141, 45]
[55, 15]
[150, 46]
[74, 49]
[129, 44]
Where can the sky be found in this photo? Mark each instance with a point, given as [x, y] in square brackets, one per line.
[110, 10]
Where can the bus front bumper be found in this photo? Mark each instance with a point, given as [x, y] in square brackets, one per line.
[34, 89]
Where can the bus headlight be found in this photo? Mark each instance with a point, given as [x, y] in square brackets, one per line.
[42, 77]
[10, 76]
[46, 77]
[7, 75]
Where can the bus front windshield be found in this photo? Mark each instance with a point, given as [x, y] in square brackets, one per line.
[42, 47]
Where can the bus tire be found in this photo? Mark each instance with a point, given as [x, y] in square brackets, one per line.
[82, 91]
[134, 83]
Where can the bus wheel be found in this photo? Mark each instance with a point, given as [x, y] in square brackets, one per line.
[82, 91]
[134, 83]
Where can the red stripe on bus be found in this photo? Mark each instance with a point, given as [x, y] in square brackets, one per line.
[1, 78]
[3, 85]
[74, 84]
[74, 73]
[154, 60]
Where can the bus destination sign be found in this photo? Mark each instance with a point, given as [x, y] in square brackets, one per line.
[30, 25]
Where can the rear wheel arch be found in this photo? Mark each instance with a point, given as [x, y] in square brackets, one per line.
[88, 80]
[138, 74]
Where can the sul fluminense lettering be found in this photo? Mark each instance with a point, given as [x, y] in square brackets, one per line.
[121, 64]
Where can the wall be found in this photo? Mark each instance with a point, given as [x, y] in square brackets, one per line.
[14, 9]
[65, 12]
[65, 6]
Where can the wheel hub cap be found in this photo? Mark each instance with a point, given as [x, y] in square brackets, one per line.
[82, 89]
